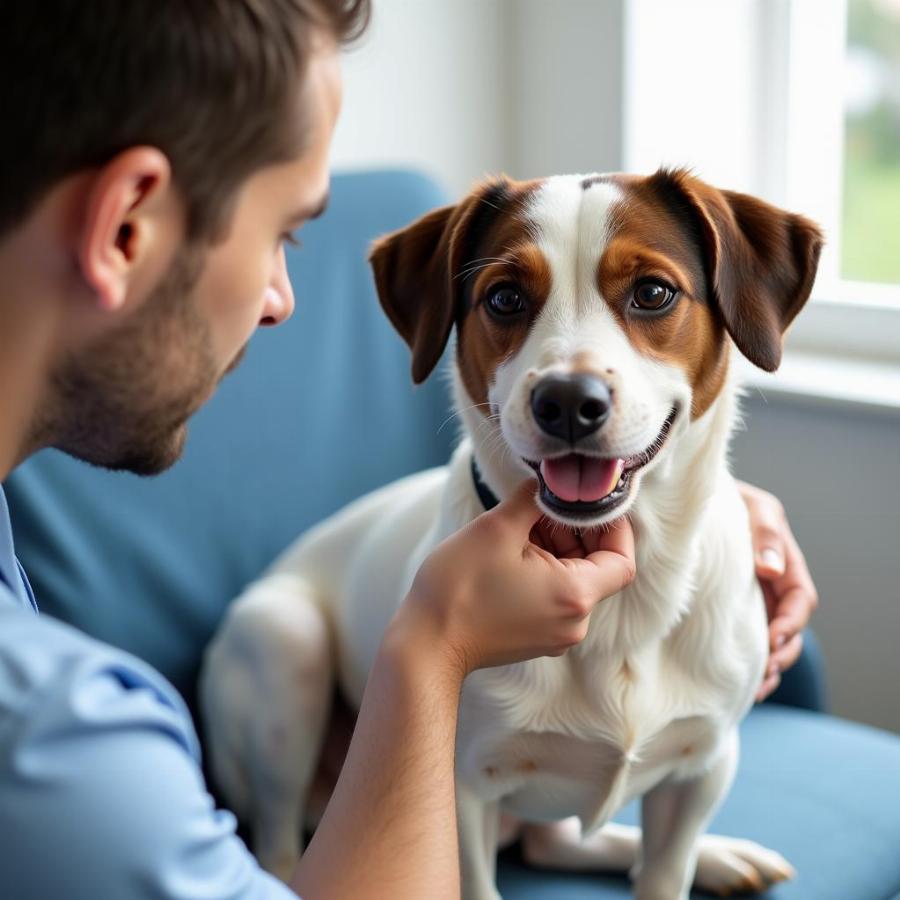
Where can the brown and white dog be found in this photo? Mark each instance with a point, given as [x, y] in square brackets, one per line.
[595, 318]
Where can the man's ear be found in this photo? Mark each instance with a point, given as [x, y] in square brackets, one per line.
[761, 262]
[415, 271]
[123, 222]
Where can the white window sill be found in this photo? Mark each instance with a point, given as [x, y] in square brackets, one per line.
[840, 381]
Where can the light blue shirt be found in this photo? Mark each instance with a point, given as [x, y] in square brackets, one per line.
[101, 793]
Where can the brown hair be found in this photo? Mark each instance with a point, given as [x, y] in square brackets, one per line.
[210, 83]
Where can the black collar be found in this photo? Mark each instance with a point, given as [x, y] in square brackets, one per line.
[485, 494]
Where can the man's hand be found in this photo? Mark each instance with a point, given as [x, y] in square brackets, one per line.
[787, 585]
[506, 588]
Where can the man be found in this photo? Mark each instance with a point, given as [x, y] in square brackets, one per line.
[159, 153]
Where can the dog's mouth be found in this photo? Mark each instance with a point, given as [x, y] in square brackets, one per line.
[581, 486]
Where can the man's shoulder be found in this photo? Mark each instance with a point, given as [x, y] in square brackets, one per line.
[54, 673]
[99, 776]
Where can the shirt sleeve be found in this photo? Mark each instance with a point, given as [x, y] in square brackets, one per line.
[101, 794]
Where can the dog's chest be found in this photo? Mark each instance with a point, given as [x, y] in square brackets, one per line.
[560, 739]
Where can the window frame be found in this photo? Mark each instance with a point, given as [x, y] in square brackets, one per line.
[796, 129]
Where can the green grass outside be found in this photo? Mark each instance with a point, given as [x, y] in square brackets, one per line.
[870, 248]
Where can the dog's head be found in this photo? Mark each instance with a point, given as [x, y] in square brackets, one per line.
[593, 315]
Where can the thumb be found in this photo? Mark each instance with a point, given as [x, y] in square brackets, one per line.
[613, 560]
[519, 508]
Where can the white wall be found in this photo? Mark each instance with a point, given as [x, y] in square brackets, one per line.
[426, 88]
[688, 64]
[464, 88]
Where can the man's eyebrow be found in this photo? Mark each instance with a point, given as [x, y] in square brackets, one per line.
[311, 212]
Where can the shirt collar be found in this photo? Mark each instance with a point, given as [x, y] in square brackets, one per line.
[11, 572]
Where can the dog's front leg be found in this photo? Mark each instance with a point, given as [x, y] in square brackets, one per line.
[266, 691]
[674, 816]
[478, 823]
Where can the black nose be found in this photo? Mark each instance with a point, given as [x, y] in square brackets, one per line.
[570, 406]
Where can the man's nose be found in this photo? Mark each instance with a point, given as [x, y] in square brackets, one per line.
[278, 302]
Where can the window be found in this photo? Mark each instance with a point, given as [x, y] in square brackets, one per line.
[870, 217]
[797, 101]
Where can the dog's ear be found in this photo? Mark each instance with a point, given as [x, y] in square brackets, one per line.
[760, 260]
[414, 275]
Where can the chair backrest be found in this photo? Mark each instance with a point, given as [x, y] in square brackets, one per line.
[321, 410]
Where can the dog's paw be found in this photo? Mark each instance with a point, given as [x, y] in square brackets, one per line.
[730, 865]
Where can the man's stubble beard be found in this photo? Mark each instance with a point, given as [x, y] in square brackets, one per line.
[124, 401]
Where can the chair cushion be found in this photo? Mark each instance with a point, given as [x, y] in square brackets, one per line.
[823, 792]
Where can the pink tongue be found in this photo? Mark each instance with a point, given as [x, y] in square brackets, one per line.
[576, 477]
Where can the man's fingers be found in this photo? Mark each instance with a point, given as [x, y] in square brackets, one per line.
[519, 509]
[769, 551]
[767, 528]
[768, 686]
[797, 575]
[771, 600]
[790, 583]
[566, 542]
[613, 560]
[560, 540]
[781, 660]
[615, 538]
[792, 611]
[768, 559]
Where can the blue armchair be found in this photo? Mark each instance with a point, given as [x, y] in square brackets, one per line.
[321, 411]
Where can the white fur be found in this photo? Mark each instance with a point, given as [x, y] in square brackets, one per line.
[647, 706]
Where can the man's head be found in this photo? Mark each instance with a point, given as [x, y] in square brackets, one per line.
[162, 152]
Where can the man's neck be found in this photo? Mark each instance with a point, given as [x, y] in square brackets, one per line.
[39, 288]
[27, 338]
[20, 396]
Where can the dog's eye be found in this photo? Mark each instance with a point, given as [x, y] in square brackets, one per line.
[652, 296]
[505, 301]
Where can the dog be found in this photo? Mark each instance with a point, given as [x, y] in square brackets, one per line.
[595, 320]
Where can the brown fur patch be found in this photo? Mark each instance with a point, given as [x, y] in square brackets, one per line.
[647, 240]
[509, 256]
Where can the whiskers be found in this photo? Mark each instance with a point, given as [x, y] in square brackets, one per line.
[478, 264]
[492, 443]
[459, 412]
[494, 448]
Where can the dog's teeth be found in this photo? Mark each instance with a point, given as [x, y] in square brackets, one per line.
[617, 477]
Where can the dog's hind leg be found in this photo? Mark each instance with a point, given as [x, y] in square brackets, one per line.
[266, 691]
[478, 823]
[559, 845]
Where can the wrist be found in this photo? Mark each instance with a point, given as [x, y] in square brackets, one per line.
[417, 643]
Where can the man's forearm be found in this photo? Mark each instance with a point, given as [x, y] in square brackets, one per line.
[390, 828]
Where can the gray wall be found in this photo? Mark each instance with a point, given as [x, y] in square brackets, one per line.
[465, 88]
[837, 470]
